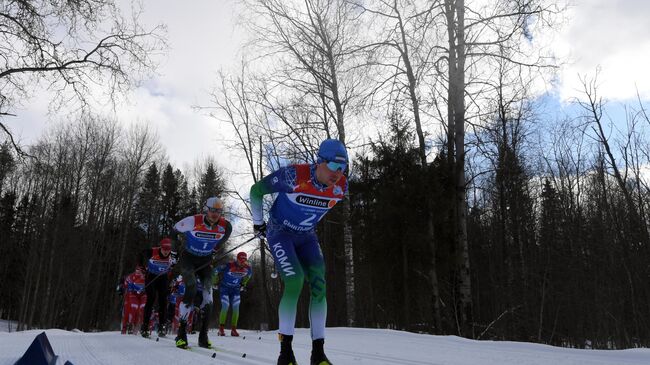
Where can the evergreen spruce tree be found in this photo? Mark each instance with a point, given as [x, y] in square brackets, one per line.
[148, 212]
[211, 183]
[170, 199]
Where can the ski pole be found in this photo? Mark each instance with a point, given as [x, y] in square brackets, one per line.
[274, 273]
[207, 263]
[226, 253]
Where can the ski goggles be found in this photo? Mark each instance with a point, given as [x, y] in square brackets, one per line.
[335, 166]
[215, 210]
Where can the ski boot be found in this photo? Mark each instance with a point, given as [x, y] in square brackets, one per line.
[286, 352]
[233, 331]
[144, 330]
[317, 354]
[221, 331]
[181, 338]
[162, 330]
[203, 333]
[204, 341]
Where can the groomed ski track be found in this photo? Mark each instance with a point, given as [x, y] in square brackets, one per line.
[343, 346]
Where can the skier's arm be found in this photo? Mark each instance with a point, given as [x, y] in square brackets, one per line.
[182, 226]
[227, 234]
[247, 278]
[220, 245]
[216, 277]
[220, 270]
[279, 181]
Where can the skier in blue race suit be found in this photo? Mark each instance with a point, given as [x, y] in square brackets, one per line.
[204, 234]
[232, 279]
[305, 194]
[158, 263]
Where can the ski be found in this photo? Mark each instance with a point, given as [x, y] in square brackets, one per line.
[216, 352]
[217, 349]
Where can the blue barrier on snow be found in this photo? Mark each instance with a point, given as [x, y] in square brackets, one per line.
[39, 353]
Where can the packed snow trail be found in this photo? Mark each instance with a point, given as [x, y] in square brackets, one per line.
[343, 346]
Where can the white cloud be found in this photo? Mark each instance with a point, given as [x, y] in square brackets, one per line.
[204, 37]
[612, 36]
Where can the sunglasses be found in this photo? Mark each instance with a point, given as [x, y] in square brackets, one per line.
[335, 166]
[215, 210]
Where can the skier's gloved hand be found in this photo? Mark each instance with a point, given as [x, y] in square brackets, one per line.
[174, 257]
[242, 289]
[260, 229]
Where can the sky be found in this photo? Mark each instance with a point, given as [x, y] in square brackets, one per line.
[610, 35]
[606, 35]
[342, 346]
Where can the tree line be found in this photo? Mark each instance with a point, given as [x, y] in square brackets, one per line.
[75, 216]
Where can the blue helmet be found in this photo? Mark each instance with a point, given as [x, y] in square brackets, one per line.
[332, 150]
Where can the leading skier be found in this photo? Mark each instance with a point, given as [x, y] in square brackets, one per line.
[306, 192]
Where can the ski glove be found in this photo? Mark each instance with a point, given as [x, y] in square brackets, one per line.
[260, 229]
[174, 257]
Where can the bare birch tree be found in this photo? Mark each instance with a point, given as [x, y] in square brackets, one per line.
[477, 34]
[98, 49]
[407, 47]
[313, 43]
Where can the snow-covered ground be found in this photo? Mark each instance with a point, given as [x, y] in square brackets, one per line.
[343, 346]
[7, 326]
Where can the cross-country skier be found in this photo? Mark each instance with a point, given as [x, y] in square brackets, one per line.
[204, 234]
[134, 300]
[158, 262]
[306, 193]
[232, 279]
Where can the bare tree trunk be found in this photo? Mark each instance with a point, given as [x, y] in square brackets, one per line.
[415, 103]
[456, 32]
[406, 297]
[32, 304]
[350, 296]
[347, 227]
[26, 297]
[45, 308]
[267, 308]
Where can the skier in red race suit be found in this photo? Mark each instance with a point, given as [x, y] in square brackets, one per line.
[134, 300]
